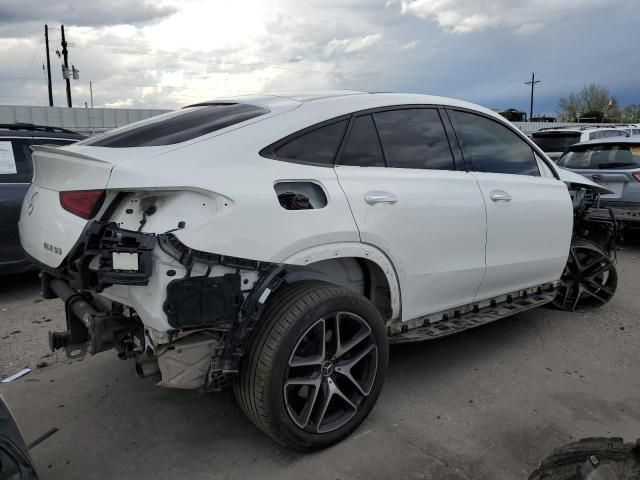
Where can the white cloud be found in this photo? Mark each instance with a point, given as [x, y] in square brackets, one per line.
[410, 45]
[351, 45]
[522, 16]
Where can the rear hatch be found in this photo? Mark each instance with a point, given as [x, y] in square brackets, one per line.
[554, 144]
[70, 183]
[615, 166]
[48, 230]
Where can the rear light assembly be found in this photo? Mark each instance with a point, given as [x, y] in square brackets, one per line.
[636, 175]
[83, 203]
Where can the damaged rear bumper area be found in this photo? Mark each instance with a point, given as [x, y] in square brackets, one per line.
[211, 302]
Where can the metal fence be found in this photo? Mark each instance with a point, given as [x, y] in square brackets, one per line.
[528, 127]
[84, 120]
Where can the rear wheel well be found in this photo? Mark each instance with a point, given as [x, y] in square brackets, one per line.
[358, 274]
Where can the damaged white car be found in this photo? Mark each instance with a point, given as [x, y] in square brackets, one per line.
[279, 243]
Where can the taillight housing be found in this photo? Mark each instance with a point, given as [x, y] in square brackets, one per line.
[636, 175]
[83, 203]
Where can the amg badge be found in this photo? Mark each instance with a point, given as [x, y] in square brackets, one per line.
[52, 248]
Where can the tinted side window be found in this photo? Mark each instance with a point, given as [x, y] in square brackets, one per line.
[492, 147]
[363, 147]
[414, 138]
[180, 126]
[317, 146]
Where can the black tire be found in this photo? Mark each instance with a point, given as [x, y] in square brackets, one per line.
[589, 279]
[588, 454]
[288, 326]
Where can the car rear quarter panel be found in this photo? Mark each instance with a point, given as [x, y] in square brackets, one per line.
[248, 220]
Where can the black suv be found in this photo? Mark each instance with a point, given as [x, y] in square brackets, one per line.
[16, 171]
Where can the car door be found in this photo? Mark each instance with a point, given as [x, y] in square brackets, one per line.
[408, 199]
[529, 215]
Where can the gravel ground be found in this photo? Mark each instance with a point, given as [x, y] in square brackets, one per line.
[485, 404]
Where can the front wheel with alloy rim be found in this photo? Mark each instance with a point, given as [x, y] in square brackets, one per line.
[589, 279]
[315, 367]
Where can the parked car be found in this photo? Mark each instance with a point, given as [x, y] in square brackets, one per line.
[554, 141]
[615, 164]
[278, 244]
[15, 176]
[631, 128]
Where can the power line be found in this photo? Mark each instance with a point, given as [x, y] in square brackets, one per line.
[31, 63]
[223, 62]
[150, 44]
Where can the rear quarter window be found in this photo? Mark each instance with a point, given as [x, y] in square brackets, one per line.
[316, 145]
[180, 126]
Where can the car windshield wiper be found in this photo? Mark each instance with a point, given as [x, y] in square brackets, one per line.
[615, 165]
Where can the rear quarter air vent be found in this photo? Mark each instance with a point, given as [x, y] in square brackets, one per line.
[300, 195]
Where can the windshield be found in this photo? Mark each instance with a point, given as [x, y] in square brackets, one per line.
[594, 157]
[555, 141]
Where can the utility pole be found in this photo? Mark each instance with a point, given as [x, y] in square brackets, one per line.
[46, 41]
[93, 130]
[533, 84]
[65, 55]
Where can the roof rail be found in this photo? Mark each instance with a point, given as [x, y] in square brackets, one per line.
[39, 128]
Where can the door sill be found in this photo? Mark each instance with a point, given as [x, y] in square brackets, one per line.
[473, 315]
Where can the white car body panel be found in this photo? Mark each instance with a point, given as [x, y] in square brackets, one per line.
[573, 178]
[434, 233]
[527, 236]
[47, 231]
[430, 244]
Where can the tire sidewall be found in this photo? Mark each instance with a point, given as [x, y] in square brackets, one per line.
[350, 302]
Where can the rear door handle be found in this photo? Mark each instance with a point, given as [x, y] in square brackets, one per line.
[500, 196]
[380, 197]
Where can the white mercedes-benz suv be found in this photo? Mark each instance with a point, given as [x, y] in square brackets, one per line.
[279, 243]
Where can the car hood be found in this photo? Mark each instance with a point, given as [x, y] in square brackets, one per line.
[573, 178]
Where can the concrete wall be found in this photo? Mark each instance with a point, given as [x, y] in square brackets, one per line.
[83, 120]
[97, 120]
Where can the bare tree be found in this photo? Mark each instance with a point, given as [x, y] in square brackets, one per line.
[592, 102]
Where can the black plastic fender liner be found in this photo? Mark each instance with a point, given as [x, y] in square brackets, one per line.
[204, 302]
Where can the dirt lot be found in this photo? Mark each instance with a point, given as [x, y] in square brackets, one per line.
[487, 404]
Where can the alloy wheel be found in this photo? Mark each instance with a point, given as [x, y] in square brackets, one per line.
[331, 371]
[589, 279]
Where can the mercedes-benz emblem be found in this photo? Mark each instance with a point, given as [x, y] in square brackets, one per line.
[327, 368]
[32, 203]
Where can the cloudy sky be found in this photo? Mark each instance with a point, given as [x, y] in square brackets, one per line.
[165, 54]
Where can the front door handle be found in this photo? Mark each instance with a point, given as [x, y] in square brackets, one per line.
[380, 197]
[500, 196]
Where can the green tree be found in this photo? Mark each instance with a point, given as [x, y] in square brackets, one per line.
[593, 103]
[631, 113]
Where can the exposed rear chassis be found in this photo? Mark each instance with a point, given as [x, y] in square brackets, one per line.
[222, 307]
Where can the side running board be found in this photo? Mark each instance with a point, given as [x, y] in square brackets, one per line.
[473, 319]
